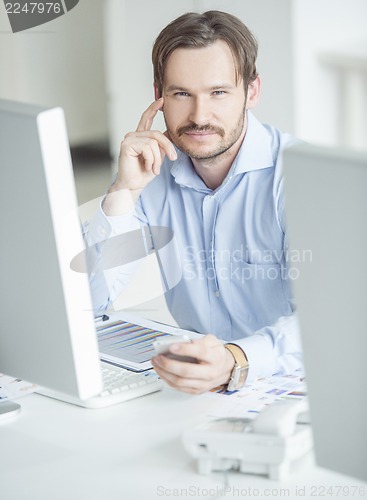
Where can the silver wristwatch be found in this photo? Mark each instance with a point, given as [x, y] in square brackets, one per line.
[240, 369]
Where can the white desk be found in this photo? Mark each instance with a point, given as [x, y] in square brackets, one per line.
[57, 451]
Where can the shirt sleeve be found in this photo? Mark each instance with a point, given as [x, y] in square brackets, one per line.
[275, 349]
[109, 269]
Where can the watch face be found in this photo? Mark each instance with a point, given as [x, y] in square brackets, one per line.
[238, 378]
[240, 370]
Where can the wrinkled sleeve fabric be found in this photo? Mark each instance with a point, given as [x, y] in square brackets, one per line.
[274, 349]
[101, 233]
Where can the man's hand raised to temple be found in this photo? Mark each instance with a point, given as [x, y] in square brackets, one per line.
[141, 156]
[142, 152]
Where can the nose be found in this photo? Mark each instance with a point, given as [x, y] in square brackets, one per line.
[200, 112]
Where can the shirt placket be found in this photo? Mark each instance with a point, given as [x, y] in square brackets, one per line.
[210, 211]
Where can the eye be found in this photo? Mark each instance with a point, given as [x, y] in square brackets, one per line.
[182, 94]
[218, 92]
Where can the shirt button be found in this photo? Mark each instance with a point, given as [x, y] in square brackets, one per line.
[216, 293]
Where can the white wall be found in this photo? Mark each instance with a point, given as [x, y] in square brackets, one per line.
[131, 27]
[60, 63]
[323, 26]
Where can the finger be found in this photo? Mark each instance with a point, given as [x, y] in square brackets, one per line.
[203, 350]
[165, 144]
[151, 154]
[159, 151]
[151, 157]
[149, 151]
[182, 369]
[209, 340]
[159, 155]
[149, 114]
[191, 386]
[132, 139]
[143, 150]
[148, 157]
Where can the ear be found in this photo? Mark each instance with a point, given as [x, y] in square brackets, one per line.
[253, 93]
[157, 94]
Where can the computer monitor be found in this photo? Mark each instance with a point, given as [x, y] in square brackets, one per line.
[47, 325]
[326, 208]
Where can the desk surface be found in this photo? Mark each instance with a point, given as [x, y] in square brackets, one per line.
[57, 451]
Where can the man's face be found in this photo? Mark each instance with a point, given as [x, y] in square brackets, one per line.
[204, 107]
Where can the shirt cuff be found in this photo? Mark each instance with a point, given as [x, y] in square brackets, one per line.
[260, 355]
[103, 226]
[274, 349]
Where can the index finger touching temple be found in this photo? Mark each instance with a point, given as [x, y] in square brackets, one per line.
[149, 114]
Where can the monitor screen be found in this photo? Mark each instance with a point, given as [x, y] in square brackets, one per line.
[47, 333]
[326, 208]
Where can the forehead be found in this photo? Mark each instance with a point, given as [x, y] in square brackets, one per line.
[201, 66]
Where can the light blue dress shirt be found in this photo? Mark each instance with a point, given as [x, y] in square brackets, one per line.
[230, 251]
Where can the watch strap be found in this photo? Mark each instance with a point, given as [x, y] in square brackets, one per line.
[240, 370]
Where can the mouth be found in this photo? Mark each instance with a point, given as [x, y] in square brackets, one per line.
[200, 135]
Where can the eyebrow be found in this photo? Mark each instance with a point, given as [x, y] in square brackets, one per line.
[175, 88]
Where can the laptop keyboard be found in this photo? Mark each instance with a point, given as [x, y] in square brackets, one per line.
[118, 380]
[119, 385]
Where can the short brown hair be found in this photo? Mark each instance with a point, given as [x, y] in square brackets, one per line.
[193, 30]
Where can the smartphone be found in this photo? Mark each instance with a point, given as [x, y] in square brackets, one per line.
[8, 409]
[162, 344]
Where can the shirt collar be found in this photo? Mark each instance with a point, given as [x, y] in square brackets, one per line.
[184, 173]
[255, 154]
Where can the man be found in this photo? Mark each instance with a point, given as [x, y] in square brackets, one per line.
[214, 178]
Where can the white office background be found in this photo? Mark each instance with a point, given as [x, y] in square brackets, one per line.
[95, 62]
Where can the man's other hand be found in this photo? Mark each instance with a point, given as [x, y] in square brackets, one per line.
[213, 368]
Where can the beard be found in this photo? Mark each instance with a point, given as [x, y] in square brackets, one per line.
[224, 144]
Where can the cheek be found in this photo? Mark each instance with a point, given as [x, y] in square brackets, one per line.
[175, 113]
[230, 116]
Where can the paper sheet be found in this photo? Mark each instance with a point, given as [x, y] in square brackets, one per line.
[11, 388]
[252, 399]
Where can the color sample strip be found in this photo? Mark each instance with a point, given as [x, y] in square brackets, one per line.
[126, 340]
